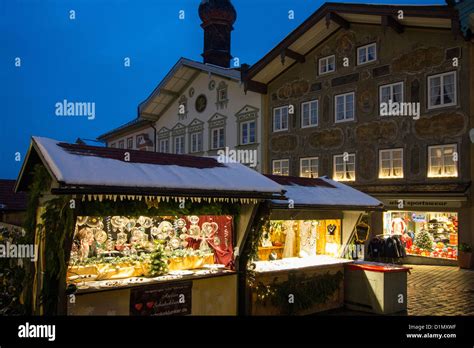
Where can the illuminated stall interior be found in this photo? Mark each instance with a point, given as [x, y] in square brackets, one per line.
[300, 238]
[314, 225]
[120, 247]
[426, 234]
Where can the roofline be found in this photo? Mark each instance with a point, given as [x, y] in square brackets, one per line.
[32, 146]
[284, 206]
[171, 192]
[125, 127]
[215, 69]
[440, 11]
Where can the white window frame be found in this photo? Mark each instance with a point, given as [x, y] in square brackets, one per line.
[112, 145]
[345, 110]
[130, 139]
[391, 87]
[345, 164]
[441, 77]
[182, 144]
[311, 174]
[248, 131]
[139, 139]
[198, 142]
[366, 48]
[280, 128]
[323, 62]
[309, 102]
[164, 145]
[391, 160]
[280, 164]
[442, 160]
[218, 130]
[121, 144]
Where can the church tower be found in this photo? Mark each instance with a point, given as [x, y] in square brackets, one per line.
[217, 17]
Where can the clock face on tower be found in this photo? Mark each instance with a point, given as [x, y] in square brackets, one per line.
[201, 103]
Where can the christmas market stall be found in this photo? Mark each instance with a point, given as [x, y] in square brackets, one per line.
[123, 232]
[299, 246]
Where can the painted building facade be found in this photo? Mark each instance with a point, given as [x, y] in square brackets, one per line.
[327, 85]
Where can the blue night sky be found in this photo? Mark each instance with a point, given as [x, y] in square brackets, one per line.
[83, 59]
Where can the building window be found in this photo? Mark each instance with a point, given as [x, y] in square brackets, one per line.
[112, 145]
[366, 54]
[344, 167]
[309, 167]
[179, 144]
[309, 114]
[391, 93]
[164, 145]
[222, 95]
[391, 164]
[247, 132]
[344, 106]
[280, 119]
[327, 65]
[217, 138]
[196, 142]
[281, 167]
[442, 90]
[129, 143]
[140, 139]
[442, 161]
[121, 144]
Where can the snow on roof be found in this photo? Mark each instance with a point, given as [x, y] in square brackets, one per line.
[81, 165]
[322, 192]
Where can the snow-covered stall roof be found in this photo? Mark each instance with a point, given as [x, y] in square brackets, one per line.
[322, 192]
[106, 170]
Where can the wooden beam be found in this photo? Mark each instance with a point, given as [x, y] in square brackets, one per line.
[256, 86]
[168, 92]
[294, 55]
[389, 21]
[333, 16]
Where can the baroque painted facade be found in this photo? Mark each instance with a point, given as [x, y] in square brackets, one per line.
[325, 85]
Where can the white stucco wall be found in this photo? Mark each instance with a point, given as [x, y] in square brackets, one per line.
[237, 100]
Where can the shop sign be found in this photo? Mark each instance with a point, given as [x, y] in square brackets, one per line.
[418, 217]
[162, 299]
[402, 203]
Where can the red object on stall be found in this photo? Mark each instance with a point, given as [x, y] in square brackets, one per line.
[377, 267]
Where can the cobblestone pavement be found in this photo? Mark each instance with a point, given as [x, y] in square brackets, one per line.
[440, 290]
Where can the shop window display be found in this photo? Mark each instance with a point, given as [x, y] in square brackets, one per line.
[122, 250]
[429, 234]
[285, 239]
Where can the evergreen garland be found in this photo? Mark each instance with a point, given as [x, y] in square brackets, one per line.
[41, 181]
[306, 291]
[158, 265]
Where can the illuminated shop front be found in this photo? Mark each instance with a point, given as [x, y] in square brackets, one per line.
[425, 233]
[300, 247]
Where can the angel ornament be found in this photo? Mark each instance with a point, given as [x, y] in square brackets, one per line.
[308, 239]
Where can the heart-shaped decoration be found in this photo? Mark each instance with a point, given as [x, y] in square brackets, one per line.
[214, 226]
[331, 229]
[150, 304]
[138, 306]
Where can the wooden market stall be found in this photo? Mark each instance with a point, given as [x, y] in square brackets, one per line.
[296, 257]
[123, 232]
